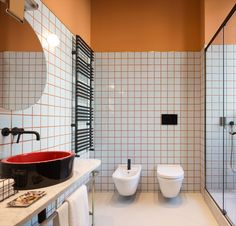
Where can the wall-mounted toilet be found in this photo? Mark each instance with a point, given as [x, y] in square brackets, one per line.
[126, 180]
[170, 178]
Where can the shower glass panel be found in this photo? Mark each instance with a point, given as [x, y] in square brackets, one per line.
[220, 118]
[230, 114]
[215, 119]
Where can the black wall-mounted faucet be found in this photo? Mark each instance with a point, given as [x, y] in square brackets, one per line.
[18, 132]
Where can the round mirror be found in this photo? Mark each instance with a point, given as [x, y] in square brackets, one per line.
[22, 64]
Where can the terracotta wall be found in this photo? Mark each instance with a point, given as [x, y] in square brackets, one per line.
[230, 31]
[202, 22]
[75, 14]
[137, 25]
[215, 13]
[10, 40]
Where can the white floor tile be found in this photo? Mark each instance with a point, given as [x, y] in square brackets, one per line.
[151, 209]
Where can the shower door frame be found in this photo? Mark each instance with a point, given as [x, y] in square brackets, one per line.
[221, 28]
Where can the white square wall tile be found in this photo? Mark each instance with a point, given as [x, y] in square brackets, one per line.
[133, 117]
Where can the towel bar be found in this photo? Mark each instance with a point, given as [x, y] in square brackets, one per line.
[94, 174]
[54, 214]
[50, 218]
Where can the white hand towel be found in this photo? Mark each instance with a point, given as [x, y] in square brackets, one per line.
[62, 218]
[78, 207]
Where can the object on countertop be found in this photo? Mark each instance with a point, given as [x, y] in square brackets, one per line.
[7, 188]
[36, 170]
[26, 199]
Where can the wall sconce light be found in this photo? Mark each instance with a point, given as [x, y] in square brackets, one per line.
[53, 40]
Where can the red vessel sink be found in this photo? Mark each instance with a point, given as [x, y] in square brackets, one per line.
[38, 169]
[38, 157]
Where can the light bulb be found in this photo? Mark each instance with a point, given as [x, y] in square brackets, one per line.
[53, 40]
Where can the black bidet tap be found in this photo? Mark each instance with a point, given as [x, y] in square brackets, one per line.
[129, 164]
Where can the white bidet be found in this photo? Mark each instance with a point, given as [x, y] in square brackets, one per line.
[126, 181]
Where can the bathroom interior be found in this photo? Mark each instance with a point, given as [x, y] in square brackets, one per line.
[117, 113]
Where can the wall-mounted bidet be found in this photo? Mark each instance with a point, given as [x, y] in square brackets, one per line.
[126, 180]
[170, 178]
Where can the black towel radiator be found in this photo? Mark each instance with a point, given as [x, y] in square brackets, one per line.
[83, 58]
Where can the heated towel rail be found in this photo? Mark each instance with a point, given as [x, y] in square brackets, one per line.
[83, 58]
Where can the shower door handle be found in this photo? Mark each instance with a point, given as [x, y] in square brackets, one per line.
[232, 133]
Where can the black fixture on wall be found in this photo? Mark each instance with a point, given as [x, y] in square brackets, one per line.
[83, 58]
[18, 132]
[169, 119]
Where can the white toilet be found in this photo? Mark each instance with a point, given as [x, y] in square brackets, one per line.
[170, 178]
[126, 181]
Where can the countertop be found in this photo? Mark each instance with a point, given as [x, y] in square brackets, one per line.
[19, 216]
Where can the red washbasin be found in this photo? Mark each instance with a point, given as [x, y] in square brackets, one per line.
[38, 157]
[38, 169]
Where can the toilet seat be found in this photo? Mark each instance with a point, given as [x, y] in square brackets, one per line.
[170, 171]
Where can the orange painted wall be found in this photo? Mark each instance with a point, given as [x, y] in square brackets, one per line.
[202, 22]
[230, 31]
[215, 13]
[138, 25]
[75, 14]
[10, 40]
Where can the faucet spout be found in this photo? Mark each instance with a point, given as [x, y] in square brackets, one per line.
[27, 132]
[33, 132]
[19, 131]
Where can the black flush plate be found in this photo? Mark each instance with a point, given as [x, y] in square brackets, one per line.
[169, 119]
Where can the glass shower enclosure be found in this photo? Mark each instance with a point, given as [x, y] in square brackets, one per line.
[220, 118]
